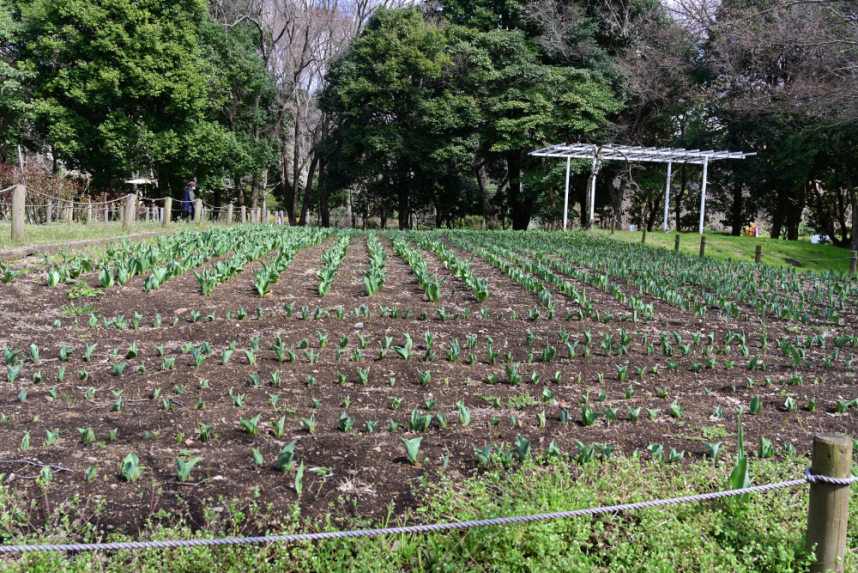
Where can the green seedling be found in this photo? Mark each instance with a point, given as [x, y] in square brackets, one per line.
[87, 436]
[310, 423]
[183, 468]
[412, 449]
[130, 469]
[251, 425]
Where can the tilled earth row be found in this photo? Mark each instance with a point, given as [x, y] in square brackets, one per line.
[358, 472]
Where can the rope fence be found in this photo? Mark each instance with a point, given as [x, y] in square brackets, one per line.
[809, 478]
[21, 213]
[756, 255]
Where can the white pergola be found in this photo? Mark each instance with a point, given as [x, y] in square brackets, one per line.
[600, 153]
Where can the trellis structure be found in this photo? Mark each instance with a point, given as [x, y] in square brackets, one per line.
[600, 153]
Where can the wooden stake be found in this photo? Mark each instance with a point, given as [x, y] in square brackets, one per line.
[168, 211]
[676, 244]
[828, 510]
[758, 253]
[130, 208]
[19, 198]
[702, 246]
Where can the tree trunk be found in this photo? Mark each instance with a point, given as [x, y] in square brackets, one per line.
[288, 189]
[404, 207]
[239, 191]
[308, 188]
[794, 213]
[296, 161]
[617, 195]
[382, 214]
[489, 212]
[254, 191]
[520, 207]
[853, 201]
[653, 211]
[680, 195]
[324, 211]
[163, 181]
[218, 197]
[779, 216]
[736, 211]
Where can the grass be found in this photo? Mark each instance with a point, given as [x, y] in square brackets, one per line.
[764, 535]
[72, 309]
[64, 232]
[797, 250]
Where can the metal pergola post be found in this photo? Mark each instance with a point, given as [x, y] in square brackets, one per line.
[667, 194]
[703, 193]
[593, 190]
[566, 196]
[630, 154]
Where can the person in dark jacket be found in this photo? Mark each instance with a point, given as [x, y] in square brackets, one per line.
[188, 201]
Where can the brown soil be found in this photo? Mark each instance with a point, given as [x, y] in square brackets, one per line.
[357, 473]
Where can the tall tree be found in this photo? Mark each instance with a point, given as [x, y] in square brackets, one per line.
[121, 86]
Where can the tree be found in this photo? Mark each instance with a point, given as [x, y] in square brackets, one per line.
[248, 109]
[526, 99]
[388, 108]
[122, 86]
[15, 111]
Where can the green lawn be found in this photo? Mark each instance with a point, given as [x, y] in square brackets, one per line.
[62, 232]
[796, 250]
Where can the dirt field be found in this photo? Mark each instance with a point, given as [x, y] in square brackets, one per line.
[365, 473]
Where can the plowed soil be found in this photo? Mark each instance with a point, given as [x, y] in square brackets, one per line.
[357, 472]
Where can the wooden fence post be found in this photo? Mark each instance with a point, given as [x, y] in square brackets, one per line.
[198, 208]
[229, 215]
[828, 509]
[613, 225]
[49, 211]
[244, 214]
[643, 237]
[702, 246]
[853, 261]
[89, 213]
[106, 214]
[19, 198]
[168, 211]
[128, 215]
[676, 244]
[758, 254]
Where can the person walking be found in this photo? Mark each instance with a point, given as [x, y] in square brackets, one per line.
[188, 201]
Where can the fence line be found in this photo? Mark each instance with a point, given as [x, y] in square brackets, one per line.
[740, 253]
[93, 203]
[808, 478]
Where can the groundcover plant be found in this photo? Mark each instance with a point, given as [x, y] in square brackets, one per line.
[254, 363]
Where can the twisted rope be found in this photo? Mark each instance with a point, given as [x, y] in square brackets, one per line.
[744, 254]
[808, 478]
[31, 190]
[727, 250]
[811, 260]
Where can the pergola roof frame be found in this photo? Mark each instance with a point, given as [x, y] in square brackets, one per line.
[629, 154]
